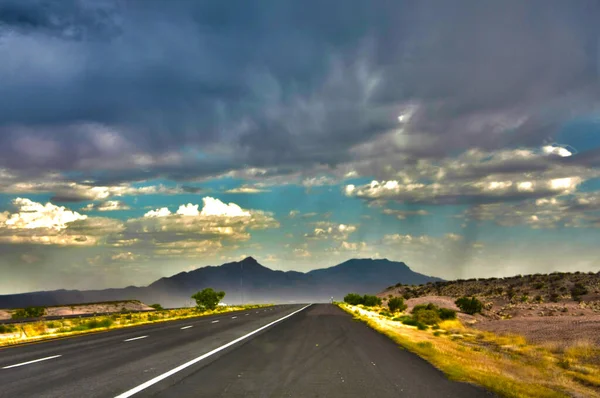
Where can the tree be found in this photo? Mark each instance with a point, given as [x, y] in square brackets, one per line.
[29, 312]
[157, 307]
[353, 299]
[469, 305]
[396, 304]
[208, 299]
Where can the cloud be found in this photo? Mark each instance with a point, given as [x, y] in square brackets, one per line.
[579, 210]
[403, 214]
[330, 230]
[48, 224]
[305, 95]
[109, 205]
[247, 189]
[478, 177]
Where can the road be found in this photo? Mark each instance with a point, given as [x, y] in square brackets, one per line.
[281, 351]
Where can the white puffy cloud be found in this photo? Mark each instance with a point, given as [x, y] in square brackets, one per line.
[214, 207]
[403, 214]
[162, 212]
[36, 215]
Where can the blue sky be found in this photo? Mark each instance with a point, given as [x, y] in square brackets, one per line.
[462, 139]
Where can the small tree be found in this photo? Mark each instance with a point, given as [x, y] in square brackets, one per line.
[353, 299]
[396, 304]
[208, 299]
[157, 307]
[29, 312]
[469, 305]
[371, 301]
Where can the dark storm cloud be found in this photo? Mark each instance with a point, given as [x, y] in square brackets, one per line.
[281, 83]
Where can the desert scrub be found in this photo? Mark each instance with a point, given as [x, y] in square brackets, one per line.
[505, 364]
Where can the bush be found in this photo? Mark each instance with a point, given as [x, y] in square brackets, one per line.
[427, 317]
[578, 290]
[353, 299]
[157, 307]
[469, 305]
[385, 313]
[554, 297]
[29, 312]
[7, 329]
[396, 304]
[371, 301]
[446, 313]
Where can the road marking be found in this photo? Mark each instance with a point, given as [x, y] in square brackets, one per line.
[136, 338]
[246, 314]
[186, 327]
[233, 317]
[214, 321]
[171, 372]
[34, 361]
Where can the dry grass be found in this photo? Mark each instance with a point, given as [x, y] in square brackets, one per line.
[507, 365]
[35, 331]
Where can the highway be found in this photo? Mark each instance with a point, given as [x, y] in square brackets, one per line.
[281, 351]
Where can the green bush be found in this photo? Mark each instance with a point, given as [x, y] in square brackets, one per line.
[208, 299]
[446, 313]
[427, 317]
[157, 307]
[578, 290]
[396, 304]
[469, 305]
[29, 312]
[371, 301]
[353, 299]
[7, 329]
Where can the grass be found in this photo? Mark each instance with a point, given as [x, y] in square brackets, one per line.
[505, 364]
[35, 331]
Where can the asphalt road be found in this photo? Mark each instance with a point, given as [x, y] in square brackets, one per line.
[281, 351]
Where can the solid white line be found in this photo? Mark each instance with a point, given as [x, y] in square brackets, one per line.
[136, 338]
[34, 361]
[233, 317]
[214, 321]
[186, 327]
[171, 372]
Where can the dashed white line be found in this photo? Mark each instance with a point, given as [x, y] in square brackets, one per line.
[136, 338]
[214, 321]
[246, 314]
[171, 372]
[186, 327]
[29, 362]
[233, 317]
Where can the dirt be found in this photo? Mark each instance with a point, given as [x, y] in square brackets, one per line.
[559, 330]
[90, 309]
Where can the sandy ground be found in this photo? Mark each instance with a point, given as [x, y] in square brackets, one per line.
[90, 309]
[559, 330]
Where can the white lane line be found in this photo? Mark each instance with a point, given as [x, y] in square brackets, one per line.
[214, 321]
[233, 317]
[136, 338]
[34, 361]
[171, 372]
[246, 314]
[186, 327]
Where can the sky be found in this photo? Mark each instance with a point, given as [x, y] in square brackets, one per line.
[139, 139]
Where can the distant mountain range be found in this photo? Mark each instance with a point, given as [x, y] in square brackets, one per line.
[244, 281]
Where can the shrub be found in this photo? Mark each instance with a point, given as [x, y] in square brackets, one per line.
[157, 307]
[446, 313]
[353, 299]
[29, 312]
[524, 298]
[427, 317]
[371, 301]
[469, 305]
[554, 297]
[538, 299]
[385, 313]
[578, 290]
[539, 285]
[396, 304]
[7, 329]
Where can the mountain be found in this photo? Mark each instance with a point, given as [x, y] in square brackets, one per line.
[244, 281]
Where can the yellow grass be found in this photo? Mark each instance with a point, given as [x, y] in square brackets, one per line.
[507, 365]
[36, 331]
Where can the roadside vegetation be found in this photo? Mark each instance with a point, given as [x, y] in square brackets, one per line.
[34, 331]
[507, 365]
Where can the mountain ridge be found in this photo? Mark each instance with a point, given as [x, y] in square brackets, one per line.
[243, 281]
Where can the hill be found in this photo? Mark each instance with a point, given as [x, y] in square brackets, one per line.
[245, 281]
[543, 308]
